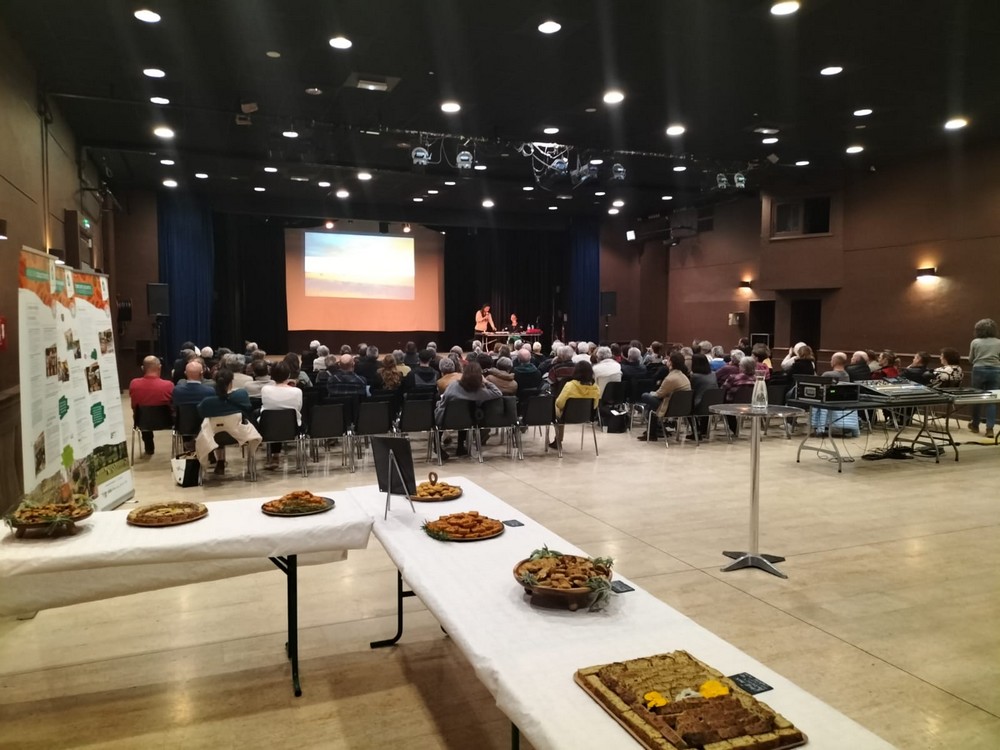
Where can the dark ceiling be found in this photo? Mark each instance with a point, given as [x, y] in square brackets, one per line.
[722, 68]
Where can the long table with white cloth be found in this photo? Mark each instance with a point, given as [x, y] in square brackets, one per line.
[107, 557]
[526, 655]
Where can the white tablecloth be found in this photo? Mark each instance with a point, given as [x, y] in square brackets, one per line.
[526, 655]
[107, 557]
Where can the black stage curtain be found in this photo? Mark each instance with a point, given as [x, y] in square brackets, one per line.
[184, 233]
[250, 302]
[515, 271]
[585, 280]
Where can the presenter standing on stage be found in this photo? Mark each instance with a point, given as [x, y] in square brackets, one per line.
[484, 321]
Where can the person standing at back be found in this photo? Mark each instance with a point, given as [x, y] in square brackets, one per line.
[984, 356]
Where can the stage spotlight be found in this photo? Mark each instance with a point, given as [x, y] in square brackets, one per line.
[421, 156]
[583, 174]
[464, 159]
[721, 181]
[617, 172]
[560, 164]
[740, 180]
[407, 228]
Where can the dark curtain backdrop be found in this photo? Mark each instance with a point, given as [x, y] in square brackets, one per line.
[516, 271]
[585, 280]
[187, 261]
[250, 301]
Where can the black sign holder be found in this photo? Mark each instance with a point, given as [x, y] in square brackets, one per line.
[388, 469]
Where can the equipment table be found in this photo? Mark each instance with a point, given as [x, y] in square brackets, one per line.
[526, 654]
[107, 557]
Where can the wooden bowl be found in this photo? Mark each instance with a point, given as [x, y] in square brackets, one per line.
[573, 597]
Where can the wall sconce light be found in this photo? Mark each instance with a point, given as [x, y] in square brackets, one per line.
[330, 224]
[3, 229]
[407, 228]
[927, 273]
[745, 284]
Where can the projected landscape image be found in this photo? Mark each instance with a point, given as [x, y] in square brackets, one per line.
[359, 266]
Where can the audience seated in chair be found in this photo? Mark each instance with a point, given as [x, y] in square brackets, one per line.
[422, 378]
[471, 386]
[675, 380]
[580, 385]
[606, 370]
[502, 376]
[344, 381]
[282, 394]
[150, 390]
[227, 401]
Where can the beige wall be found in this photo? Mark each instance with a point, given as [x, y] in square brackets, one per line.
[38, 183]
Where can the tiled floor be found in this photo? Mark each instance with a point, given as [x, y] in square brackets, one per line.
[889, 613]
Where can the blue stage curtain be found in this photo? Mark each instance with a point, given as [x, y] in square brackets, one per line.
[584, 280]
[187, 260]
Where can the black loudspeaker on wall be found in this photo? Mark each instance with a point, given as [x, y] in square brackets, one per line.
[158, 299]
[609, 303]
[383, 227]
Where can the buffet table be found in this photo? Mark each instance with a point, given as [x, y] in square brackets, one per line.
[107, 557]
[526, 654]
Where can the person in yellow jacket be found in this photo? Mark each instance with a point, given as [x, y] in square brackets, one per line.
[580, 385]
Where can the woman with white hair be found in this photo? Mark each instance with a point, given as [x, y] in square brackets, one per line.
[606, 370]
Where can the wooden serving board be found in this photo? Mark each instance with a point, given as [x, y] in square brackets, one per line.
[649, 736]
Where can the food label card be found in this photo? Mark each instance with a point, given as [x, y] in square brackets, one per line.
[750, 683]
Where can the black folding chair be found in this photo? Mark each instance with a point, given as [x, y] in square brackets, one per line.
[501, 414]
[538, 412]
[711, 397]
[579, 411]
[151, 419]
[679, 407]
[460, 415]
[374, 418]
[417, 415]
[614, 395]
[281, 426]
[637, 387]
[327, 423]
[187, 425]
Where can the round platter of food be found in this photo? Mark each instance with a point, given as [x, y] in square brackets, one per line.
[166, 514]
[572, 578]
[435, 491]
[298, 503]
[468, 526]
[55, 518]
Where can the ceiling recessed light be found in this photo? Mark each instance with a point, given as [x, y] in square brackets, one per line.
[860, 127]
[451, 107]
[618, 203]
[862, 112]
[600, 192]
[831, 70]
[553, 208]
[159, 100]
[341, 42]
[201, 175]
[273, 54]
[167, 162]
[432, 192]
[418, 200]
[527, 188]
[680, 168]
[550, 131]
[956, 123]
[323, 184]
[313, 91]
[855, 149]
[258, 189]
[488, 203]
[766, 131]
[802, 163]
[785, 8]
[549, 27]
[153, 73]
[147, 16]
[564, 197]
[613, 211]
[769, 140]
[290, 133]
[590, 110]
[666, 197]
[170, 183]
[364, 176]
[480, 167]
[299, 179]
[614, 97]
[163, 132]
[675, 130]
[272, 170]
[450, 183]
[597, 162]
[343, 193]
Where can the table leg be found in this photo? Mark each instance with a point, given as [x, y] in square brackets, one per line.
[289, 566]
[400, 595]
[753, 558]
[515, 737]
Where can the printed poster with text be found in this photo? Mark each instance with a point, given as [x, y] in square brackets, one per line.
[72, 425]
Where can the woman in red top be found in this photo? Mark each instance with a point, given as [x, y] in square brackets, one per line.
[888, 366]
